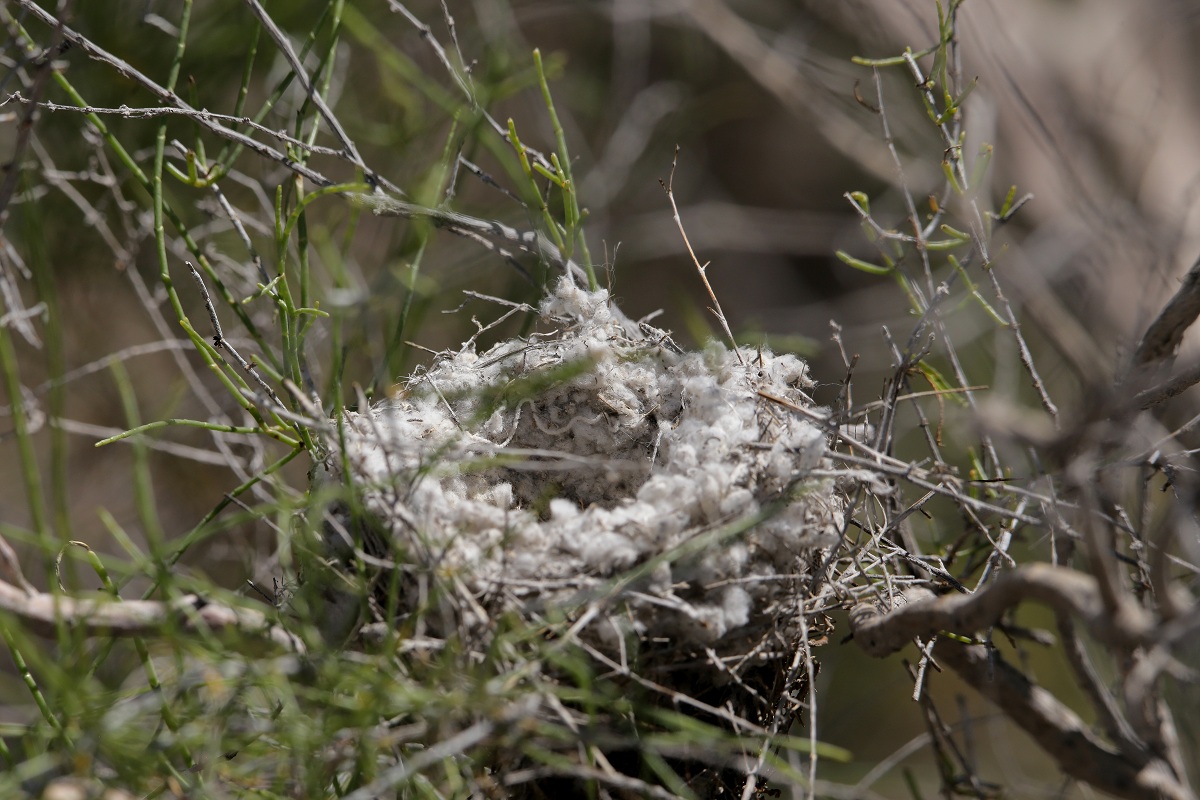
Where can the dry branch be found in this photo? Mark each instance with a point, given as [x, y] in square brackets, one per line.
[1066, 591]
[1059, 731]
[1133, 770]
[44, 613]
[1165, 334]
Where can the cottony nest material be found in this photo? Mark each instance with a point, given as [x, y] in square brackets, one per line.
[534, 475]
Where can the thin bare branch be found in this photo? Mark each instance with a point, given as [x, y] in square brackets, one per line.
[285, 47]
[702, 269]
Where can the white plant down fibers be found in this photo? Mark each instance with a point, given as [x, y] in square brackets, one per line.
[533, 475]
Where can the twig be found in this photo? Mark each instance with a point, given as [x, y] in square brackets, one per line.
[737, 723]
[1110, 715]
[483, 230]
[802, 659]
[876, 461]
[668, 187]
[227, 207]
[197, 114]
[955, 766]
[1151, 397]
[1140, 694]
[427, 34]
[382, 205]
[10, 566]
[285, 47]
[1163, 337]
[45, 66]
[885, 765]
[221, 343]
[630, 786]
[462, 78]
[452, 747]
[98, 53]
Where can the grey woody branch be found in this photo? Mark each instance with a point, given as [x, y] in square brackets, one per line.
[1165, 333]
[1133, 767]
[1067, 592]
[1078, 751]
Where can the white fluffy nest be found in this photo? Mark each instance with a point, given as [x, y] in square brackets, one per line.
[532, 475]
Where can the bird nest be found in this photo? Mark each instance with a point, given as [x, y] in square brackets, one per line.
[673, 501]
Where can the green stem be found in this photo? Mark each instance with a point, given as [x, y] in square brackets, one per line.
[30, 472]
[195, 423]
[39, 699]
